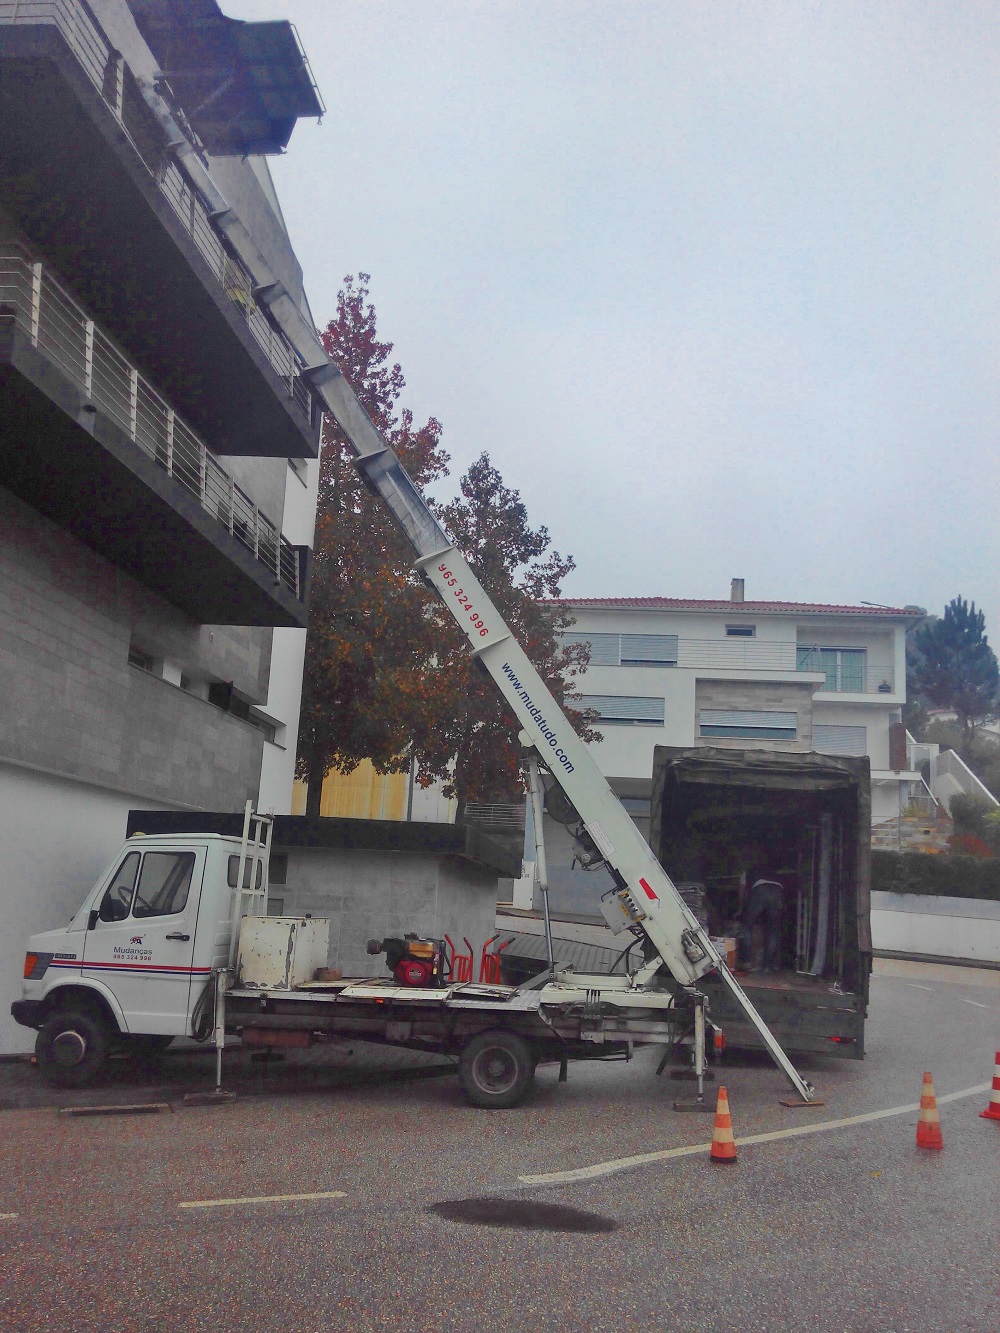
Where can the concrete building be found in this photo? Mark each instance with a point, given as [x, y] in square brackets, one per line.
[158, 435]
[735, 673]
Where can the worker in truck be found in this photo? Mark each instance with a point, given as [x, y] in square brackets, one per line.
[762, 902]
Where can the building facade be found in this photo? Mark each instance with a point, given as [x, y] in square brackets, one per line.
[158, 435]
[734, 674]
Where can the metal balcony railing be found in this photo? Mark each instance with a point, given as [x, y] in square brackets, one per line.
[847, 671]
[54, 322]
[111, 77]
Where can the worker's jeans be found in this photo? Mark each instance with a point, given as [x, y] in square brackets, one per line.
[764, 904]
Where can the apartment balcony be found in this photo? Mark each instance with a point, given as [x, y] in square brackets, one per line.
[845, 670]
[87, 441]
[90, 178]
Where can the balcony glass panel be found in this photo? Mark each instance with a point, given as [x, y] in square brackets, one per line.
[844, 668]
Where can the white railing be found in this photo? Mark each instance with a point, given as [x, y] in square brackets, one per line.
[106, 70]
[738, 654]
[952, 765]
[54, 322]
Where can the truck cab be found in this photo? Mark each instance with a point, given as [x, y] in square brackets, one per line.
[133, 965]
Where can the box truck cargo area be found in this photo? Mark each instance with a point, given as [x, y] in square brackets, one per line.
[722, 819]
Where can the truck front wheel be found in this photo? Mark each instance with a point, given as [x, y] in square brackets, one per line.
[496, 1070]
[71, 1048]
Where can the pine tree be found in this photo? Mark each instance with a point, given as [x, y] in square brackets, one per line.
[954, 667]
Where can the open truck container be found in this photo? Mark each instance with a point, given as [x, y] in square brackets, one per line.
[805, 819]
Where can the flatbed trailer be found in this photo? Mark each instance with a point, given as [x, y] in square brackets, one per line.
[498, 1033]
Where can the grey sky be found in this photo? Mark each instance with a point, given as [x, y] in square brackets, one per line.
[715, 284]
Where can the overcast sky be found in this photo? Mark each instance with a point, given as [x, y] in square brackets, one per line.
[715, 284]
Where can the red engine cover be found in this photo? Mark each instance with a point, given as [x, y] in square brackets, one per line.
[414, 972]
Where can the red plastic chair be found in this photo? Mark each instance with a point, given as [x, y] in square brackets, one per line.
[489, 968]
[460, 965]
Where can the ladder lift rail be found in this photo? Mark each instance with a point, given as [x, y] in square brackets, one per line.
[645, 893]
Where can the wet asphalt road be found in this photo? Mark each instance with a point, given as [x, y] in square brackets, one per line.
[848, 1229]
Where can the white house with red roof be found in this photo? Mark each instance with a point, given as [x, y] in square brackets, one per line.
[737, 673]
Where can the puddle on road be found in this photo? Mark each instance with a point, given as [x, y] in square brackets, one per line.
[524, 1213]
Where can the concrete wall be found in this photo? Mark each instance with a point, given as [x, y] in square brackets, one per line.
[371, 894]
[946, 927]
[70, 703]
[288, 647]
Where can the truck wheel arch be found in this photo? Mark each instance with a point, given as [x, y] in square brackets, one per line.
[92, 1000]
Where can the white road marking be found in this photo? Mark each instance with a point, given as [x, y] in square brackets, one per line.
[7, 1217]
[978, 1003]
[689, 1150]
[264, 1198]
[913, 985]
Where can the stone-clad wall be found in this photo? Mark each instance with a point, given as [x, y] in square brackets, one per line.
[372, 894]
[758, 696]
[71, 704]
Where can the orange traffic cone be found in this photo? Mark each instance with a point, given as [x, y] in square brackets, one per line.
[723, 1143]
[929, 1124]
[992, 1111]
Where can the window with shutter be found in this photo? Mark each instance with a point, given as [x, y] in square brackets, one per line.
[628, 649]
[748, 724]
[603, 647]
[832, 739]
[649, 650]
[625, 710]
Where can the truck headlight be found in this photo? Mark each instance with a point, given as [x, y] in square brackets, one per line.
[36, 965]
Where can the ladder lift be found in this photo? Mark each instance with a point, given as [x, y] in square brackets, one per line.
[644, 896]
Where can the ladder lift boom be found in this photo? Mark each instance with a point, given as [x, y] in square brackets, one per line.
[643, 890]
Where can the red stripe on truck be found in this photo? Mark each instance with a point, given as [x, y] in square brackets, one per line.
[649, 892]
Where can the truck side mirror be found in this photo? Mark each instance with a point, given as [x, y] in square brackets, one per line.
[92, 920]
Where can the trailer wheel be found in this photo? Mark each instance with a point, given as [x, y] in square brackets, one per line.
[496, 1070]
[71, 1048]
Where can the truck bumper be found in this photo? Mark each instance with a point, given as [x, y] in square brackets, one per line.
[27, 1012]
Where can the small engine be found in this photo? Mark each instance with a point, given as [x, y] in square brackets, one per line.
[411, 960]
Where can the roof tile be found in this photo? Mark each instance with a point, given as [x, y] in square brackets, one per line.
[733, 608]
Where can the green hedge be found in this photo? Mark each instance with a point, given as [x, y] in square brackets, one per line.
[946, 876]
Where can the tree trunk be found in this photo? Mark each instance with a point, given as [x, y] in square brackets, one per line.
[314, 795]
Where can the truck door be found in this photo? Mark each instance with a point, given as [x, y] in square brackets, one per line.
[141, 944]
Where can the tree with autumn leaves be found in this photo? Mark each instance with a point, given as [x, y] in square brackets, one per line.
[388, 674]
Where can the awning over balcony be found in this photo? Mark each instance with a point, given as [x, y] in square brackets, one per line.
[242, 85]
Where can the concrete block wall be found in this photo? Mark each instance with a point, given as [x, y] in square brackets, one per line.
[70, 703]
[372, 894]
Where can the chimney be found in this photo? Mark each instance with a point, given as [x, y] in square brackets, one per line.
[736, 591]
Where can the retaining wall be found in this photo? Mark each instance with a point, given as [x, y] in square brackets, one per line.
[964, 928]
